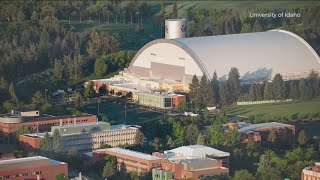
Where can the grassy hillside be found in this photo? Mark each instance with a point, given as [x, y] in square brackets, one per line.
[184, 6]
[270, 111]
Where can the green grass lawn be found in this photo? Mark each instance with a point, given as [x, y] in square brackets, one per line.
[184, 6]
[276, 110]
[116, 112]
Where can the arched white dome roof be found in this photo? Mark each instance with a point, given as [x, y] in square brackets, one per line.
[256, 55]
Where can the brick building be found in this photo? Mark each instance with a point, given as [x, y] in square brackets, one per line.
[191, 168]
[196, 152]
[9, 123]
[128, 160]
[85, 137]
[32, 168]
[259, 132]
[311, 173]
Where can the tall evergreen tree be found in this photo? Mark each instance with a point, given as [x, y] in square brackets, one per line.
[252, 93]
[206, 93]
[215, 88]
[312, 82]
[234, 84]
[209, 96]
[191, 133]
[257, 88]
[194, 92]
[100, 67]
[293, 90]
[278, 87]
[267, 93]
[304, 90]
[224, 93]
[203, 90]
[215, 135]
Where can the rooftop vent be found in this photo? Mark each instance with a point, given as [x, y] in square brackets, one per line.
[175, 28]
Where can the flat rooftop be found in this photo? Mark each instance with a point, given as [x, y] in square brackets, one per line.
[131, 153]
[41, 117]
[27, 162]
[112, 128]
[247, 127]
[194, 151]
[132, 86]
[71, 125]
[196, 160]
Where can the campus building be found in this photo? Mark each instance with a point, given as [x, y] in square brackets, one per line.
[128, 160]
[9, 123]
[170, 63]
[85, 137]
[190, 168]
[36, 167]
[161, 100]
[259, 132]
[193, 161]
[196, 152]
[311, 173]
[140, 93]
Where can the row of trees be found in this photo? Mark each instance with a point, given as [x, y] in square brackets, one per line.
[278, 89]
[112, 11]
[207, 93]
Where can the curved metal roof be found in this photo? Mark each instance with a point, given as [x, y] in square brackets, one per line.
[254, 54]
[278, 50]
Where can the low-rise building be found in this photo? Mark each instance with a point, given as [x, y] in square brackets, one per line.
[157, 93]
[196, 152]
[128, 160]
[191, 168]
[161, 100]
[9, 123]
[311, 172]
[85, 137]
[36, 167]
[259, 132]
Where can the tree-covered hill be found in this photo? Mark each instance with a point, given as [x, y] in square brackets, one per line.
[52, 44]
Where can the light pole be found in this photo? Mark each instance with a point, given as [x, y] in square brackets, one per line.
[125, 113]
[99, 106]
[45, 94]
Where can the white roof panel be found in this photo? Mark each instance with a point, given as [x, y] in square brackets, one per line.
[195, 151]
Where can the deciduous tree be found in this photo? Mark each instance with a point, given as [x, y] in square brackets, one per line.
[140, 138]
[302, 137]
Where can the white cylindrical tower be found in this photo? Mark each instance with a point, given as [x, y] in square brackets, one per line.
[175, 28]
